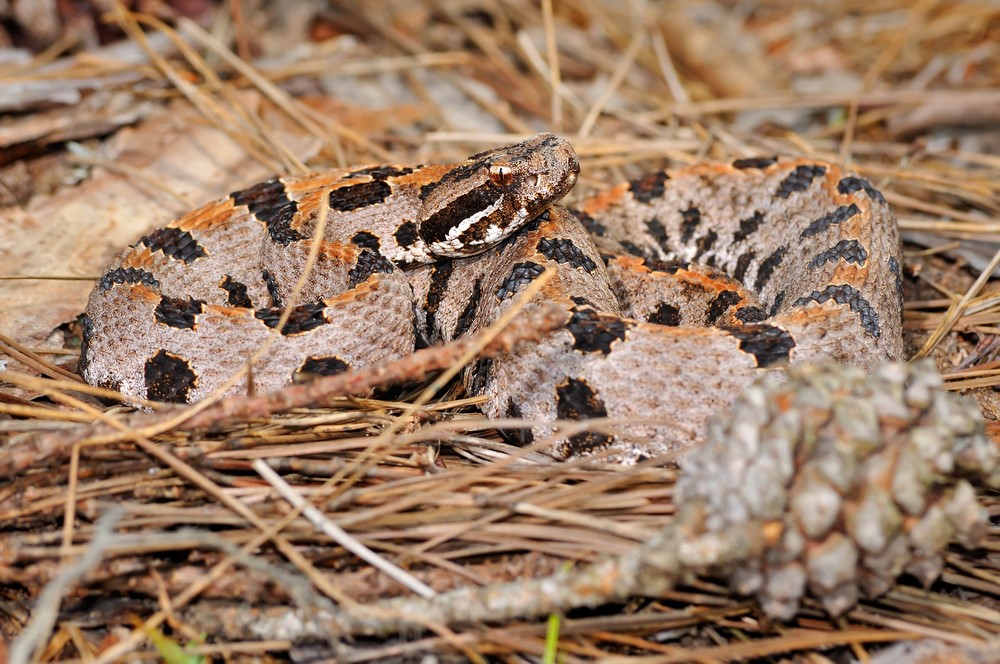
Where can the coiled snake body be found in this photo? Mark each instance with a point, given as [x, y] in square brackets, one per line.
[705, 277]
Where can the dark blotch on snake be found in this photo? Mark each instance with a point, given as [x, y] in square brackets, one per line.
[767, 267]
[356, 196]
[272, 287]
[368, 263]
[269, 202]
[838, 216]
[520, 276]
[852, 297]
[436, 290]
[303, 318]
[329, 365]
[742, 263]
[799, 179]
[129, 275]
[594, 332]
[720, 305]
[755, 162]
[850, 251]
[748, 227]
[649, 187]
[565, 251]
[690, 220]
[665, 314]
[577, 400]
[169, 378]
[237, 294]
[468, 315]
[406, 235]
[768, 344]
[177, 312]
[174, 243]
[366, 240]
[853, 184]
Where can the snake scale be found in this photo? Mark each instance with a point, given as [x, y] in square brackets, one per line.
[678, 288]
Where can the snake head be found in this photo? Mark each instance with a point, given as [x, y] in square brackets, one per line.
[482, 200]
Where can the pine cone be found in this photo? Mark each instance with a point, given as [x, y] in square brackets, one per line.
[866, 477]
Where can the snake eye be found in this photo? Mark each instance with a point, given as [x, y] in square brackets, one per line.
[501, 176]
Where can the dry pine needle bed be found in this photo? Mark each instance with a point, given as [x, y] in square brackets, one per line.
[327, 523]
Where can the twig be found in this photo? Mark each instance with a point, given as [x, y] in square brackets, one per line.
[648, 570]
[46, 610]
[338, 534]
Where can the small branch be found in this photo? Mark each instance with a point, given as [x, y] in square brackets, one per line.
[338, 534]
[648, 570]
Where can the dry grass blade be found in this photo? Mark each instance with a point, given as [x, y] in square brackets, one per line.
[338, 534]
[907, 92]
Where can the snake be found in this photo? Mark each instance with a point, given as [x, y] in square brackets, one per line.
[675, 290]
